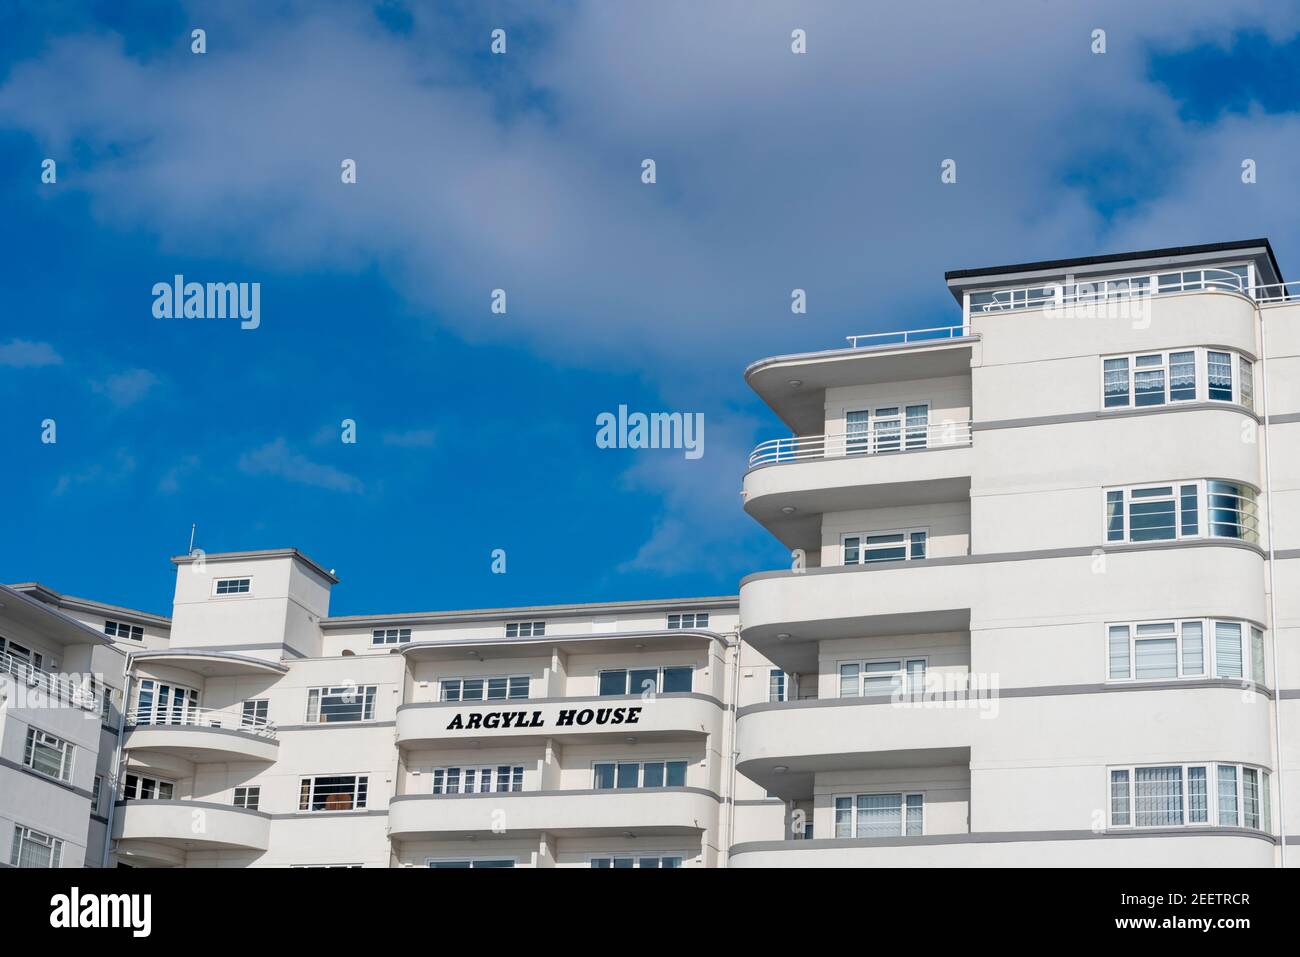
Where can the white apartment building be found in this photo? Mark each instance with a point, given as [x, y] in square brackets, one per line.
[1041, 610]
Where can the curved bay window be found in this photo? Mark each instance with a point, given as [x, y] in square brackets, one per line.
[1179, 510]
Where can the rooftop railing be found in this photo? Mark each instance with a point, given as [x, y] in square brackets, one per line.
[77, 690]
[907, 336]
[1092, 293]
[887, 436]
[203, 718]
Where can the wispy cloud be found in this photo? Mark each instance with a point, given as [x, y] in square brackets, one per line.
[410, 439]
[276, 458]
[170, 482]
[99, 475]
[25, 354]
[125, 389]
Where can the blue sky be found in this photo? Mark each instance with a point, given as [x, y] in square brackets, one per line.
[476, 431]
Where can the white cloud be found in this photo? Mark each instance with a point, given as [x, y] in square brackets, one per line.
[99, 475]
[25, 354]
[125, 389]
[170, 482]
[410, 439]
[276, 458]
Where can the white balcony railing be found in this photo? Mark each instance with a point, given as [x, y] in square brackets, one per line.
[893, 437]
[230, 719]
[906, 337]
[78, 689]
[1100, 292]
[1278, 292]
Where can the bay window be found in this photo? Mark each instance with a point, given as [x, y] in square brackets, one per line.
[1194, 648]
[1145, 379]
[1224, 795]
[1153, 513]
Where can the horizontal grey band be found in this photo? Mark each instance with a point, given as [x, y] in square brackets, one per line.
[1098, 415]
[1081, 551]
[15, 766]
[565, 792]
[992, 694]
[1286, 419]
[336, 725]
[524, 703]
[179, 802]
[760, 802]
[999, 837]
[358, 812]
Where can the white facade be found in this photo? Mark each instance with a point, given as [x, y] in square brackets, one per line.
[1037, 613]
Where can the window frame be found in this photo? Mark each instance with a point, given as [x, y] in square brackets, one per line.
[440, 778]
[252, 792]
[903, 672]
[471, 863]
[658, 856]
[641, 763]
[783, 694]
[382, 637]
[22, 834]
[66, 753]
[368, 695]
[360, 793]
[509, 679]
[695, 622]
[627, 679]
[1240, 365]
[165, 712]
[526, 629]
[140, 780]
[852, 797]
[1264, 783]
[1209, 650]
[908, 543]
[1245, 510]
[133, 632]
[245, 592]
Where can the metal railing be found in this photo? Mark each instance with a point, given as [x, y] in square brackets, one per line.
[202, 718]
[1102, 291]
[907, 336]
[895, 437]
[78, 690]
[1277, 292]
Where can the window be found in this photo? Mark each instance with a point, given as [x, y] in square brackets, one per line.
[641, 680]
[139, 787]
[698, 619]
[96, 793]
[339, 792]
[626, 775]
[893, 546]
[116, 629]
[162, 703]
[1161, 378]
[344, 703]
[1151, 513]
[19, 658]
[1185, 649]
[34, 849]
[1227, 795]
[253, 716]
[390, 636]
[49, 755]
[480, 780]
[232, 586]
[776, 685]
[628, 862]
[498, 688]
[879, 815]
[525, 629]
[888, 428]
[474, 862]
[887, 677]
[249, 798]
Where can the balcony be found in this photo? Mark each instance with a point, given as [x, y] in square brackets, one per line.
[792, 482]
[584, 720]
[37, 685]
[162, 831]
[568, 813]
[203, 735]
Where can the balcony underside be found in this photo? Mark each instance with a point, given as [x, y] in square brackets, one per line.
[200, 745]
[183, 826]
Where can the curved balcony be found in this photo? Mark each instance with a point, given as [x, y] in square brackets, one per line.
[203, 735]
[1066, 726]
[586, 720]
[652, 811]
[1201, 577]
[163, 830]
[1200, 847]
[210, 663]
[792, 482]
